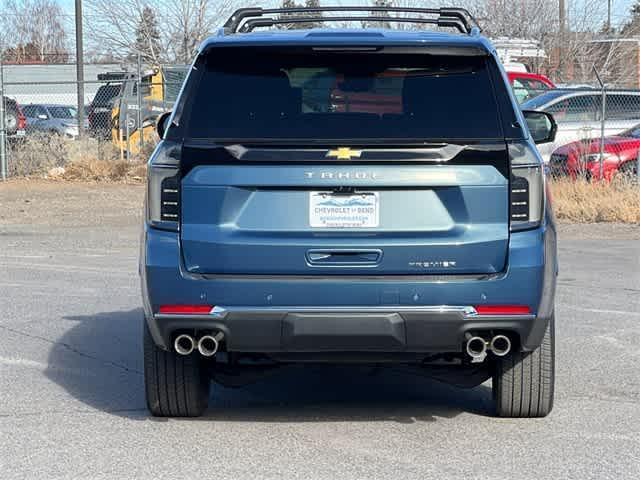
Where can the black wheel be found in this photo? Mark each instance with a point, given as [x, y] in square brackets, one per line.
[175, 385]
[523, 382]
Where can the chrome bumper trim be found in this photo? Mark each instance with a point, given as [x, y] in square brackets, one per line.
[466, 311]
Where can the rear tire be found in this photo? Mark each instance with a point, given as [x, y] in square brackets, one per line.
[523, 382]
[175, 385]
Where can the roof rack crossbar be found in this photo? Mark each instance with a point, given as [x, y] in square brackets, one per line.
[239, 16]
[254, 23]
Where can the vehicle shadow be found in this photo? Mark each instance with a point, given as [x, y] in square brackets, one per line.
[99, 362]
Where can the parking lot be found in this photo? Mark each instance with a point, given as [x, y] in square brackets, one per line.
[72, 399]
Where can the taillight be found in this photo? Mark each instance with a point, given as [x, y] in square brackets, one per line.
[22, 120]
[185, 309]
[163, 187]
[526, 195]
[170, 199]
[502, 310]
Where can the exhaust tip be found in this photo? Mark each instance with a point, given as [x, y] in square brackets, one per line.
[476, 346]
[184, 344]
[500, 345]
[208, 344]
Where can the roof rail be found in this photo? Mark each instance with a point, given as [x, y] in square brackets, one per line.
[253, 23]
[246, 19]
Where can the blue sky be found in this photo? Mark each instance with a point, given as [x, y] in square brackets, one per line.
[620, 10]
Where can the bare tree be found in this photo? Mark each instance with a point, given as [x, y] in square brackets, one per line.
[571, 52]
[574, 51]
[33, 31]
[111, 26]
[182, 25]
[471, 5]
[530, 19]
[190, 21]
[304, 25]
[380, 3]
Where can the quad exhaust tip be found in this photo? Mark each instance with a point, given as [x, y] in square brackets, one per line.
[500, 345]
[477, 349]
[184, 344]
[208, 344]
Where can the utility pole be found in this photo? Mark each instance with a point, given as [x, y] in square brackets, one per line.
[562, 25]
[139, 102]
[79, 67]
[3, 126]
[609, 15]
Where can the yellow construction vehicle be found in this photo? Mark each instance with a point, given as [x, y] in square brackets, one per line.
[133, 115]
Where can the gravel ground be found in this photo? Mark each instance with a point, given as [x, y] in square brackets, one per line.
[72, 400]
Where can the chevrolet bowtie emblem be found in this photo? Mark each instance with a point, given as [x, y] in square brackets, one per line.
[344, 153]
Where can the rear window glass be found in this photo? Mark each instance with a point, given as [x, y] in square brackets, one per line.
[310, 94]
[63, 112]
[30, 110]
[106, 93]
[527, 88]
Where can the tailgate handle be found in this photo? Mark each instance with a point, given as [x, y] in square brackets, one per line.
[343, 257]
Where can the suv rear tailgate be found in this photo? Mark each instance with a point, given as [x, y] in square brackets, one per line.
[279, 178]
[421, 218]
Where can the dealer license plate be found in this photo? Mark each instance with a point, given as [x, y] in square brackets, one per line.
[331, 210]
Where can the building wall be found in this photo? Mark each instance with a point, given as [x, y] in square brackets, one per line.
[26, 83]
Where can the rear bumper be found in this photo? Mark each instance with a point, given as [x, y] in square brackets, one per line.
[344, 329]
[347, 313]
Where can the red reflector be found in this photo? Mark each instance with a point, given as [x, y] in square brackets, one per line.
[186, 309]
[502, 310]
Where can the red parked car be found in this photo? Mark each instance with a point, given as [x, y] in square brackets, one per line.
[528, 85]
[582, 159]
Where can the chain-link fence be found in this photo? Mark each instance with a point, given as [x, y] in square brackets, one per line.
[121, 106]
[598, 133]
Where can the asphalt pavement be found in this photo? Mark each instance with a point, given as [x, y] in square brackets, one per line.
[72, 400]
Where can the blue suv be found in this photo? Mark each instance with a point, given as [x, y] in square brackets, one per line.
[349, 195]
